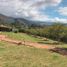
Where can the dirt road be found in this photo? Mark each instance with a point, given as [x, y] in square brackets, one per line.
[27, 43]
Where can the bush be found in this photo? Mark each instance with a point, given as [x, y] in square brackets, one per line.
[15, 30]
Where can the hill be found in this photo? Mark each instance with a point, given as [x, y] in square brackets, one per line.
[12, 55]
[8, 20]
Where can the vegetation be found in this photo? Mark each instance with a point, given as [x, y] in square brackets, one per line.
[12, 55]
[57, 31]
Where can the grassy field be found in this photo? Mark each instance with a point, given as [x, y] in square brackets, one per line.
[23, 36]
[12, 55]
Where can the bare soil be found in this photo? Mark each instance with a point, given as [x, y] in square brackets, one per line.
[62, 51]
[27, 43]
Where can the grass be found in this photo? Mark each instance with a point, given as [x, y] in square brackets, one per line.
[12, 55]
[21, 36]
[26, 37]
[23, 56]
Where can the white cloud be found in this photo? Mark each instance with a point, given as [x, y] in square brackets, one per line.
[63, 11]
[47, 3]
[26, 8]
[57, 19]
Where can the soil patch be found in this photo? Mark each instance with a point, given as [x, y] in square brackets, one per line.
[62, 51]
[27, 43]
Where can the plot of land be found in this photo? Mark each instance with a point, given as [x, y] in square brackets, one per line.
[12, 55]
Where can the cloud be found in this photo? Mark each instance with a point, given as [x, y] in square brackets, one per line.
[63, 11]
[57, 19]
[47, 3]
[26, 8]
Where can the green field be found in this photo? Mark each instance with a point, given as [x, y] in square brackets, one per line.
[26, 37]
[12, 55]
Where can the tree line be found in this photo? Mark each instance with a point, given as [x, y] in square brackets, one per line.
[56, 31]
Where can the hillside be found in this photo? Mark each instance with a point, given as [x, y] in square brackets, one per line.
[12, 55]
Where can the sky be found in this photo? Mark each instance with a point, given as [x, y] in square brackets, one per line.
[36, 10]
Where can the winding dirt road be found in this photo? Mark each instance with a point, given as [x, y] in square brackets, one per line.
[27, 43]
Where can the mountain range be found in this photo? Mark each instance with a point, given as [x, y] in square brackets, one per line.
[6, 19]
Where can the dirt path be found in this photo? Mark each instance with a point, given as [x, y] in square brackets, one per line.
[27, 43]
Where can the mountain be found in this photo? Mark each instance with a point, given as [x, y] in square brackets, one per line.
[8, 20]
[4, 18]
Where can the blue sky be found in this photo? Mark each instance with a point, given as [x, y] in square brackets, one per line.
[40, 10]
[52, 11]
